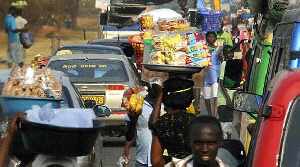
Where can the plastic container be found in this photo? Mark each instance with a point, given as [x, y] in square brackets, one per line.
[211, 20]
[59, 141]
[12, 104]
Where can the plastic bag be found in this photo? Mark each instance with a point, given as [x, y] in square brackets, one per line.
[26, 39]
[123, 162]
[63, 117]
[164, 13]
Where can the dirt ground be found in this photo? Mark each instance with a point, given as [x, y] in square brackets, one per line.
[44, 44]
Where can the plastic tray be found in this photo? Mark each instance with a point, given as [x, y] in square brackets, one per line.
[172, 69]
[12, 104]
[59, 141]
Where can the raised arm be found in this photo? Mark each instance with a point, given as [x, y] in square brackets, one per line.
[156, 106]
[13, 129]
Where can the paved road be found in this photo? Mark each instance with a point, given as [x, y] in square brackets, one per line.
[112, 150]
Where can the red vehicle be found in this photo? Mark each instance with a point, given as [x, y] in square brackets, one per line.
[275, 139]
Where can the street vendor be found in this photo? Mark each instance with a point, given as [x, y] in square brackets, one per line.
[170, 131]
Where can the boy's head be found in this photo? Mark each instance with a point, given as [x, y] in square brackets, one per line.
[178, 93]
[211, 37]
[226, 54]
[206, 136]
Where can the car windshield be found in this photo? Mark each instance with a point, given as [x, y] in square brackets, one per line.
[92, 70]
[88, 51]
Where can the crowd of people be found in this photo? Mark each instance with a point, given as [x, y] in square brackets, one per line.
[176, 138]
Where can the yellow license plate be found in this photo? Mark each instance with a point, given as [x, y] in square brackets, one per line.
[98, 98]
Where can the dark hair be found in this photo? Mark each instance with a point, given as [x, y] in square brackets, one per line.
[12, 9]
[178, 93]
[19, 11]
[213, 33]
[205, 120]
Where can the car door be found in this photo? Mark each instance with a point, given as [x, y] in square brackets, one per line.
[290, 145]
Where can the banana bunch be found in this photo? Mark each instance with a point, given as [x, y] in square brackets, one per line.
[134, 102]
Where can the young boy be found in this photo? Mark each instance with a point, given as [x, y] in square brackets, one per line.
[210, 88]
[206, 137]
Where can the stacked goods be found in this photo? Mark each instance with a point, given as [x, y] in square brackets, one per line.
[187, 50]
[146, 22]
[33, 82]
[173, 24]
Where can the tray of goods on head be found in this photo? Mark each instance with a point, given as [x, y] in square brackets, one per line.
[177, 53]
[29, 86]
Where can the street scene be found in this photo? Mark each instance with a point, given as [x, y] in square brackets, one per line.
[149, 83]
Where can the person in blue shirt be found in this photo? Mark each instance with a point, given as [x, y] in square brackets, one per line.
[15, 48]
[138, 131]
[210, 88]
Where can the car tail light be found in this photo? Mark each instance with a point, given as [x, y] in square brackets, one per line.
[115, 87]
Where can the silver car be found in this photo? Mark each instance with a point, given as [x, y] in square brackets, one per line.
[71, 99]
[87, 49]
[102, 78]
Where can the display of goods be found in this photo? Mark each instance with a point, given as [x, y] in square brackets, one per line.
[138, 47]
[211, 20]
[178, 50]
[133, 99]
[33, 82]
[173, 24]
[146, 22]
[39, 61]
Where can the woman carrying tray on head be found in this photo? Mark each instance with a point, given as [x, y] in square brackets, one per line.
[170, 131]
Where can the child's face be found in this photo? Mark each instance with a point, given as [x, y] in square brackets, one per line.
[211, 38]
[205, 144]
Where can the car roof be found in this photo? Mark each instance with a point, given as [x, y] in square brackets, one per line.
[88, 46]
[89, 56]
[108, 40]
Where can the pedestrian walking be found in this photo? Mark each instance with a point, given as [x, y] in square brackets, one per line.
[138, 131]
[210, 88]
[170, 131]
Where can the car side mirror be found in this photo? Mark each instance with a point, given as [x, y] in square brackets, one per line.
[233, 74]
[101, 111]
[246, 102]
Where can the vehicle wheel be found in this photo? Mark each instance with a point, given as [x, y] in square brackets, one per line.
[97, 153]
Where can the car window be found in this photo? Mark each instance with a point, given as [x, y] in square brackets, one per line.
[88, 51]
[290, 149]
[92, 70]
